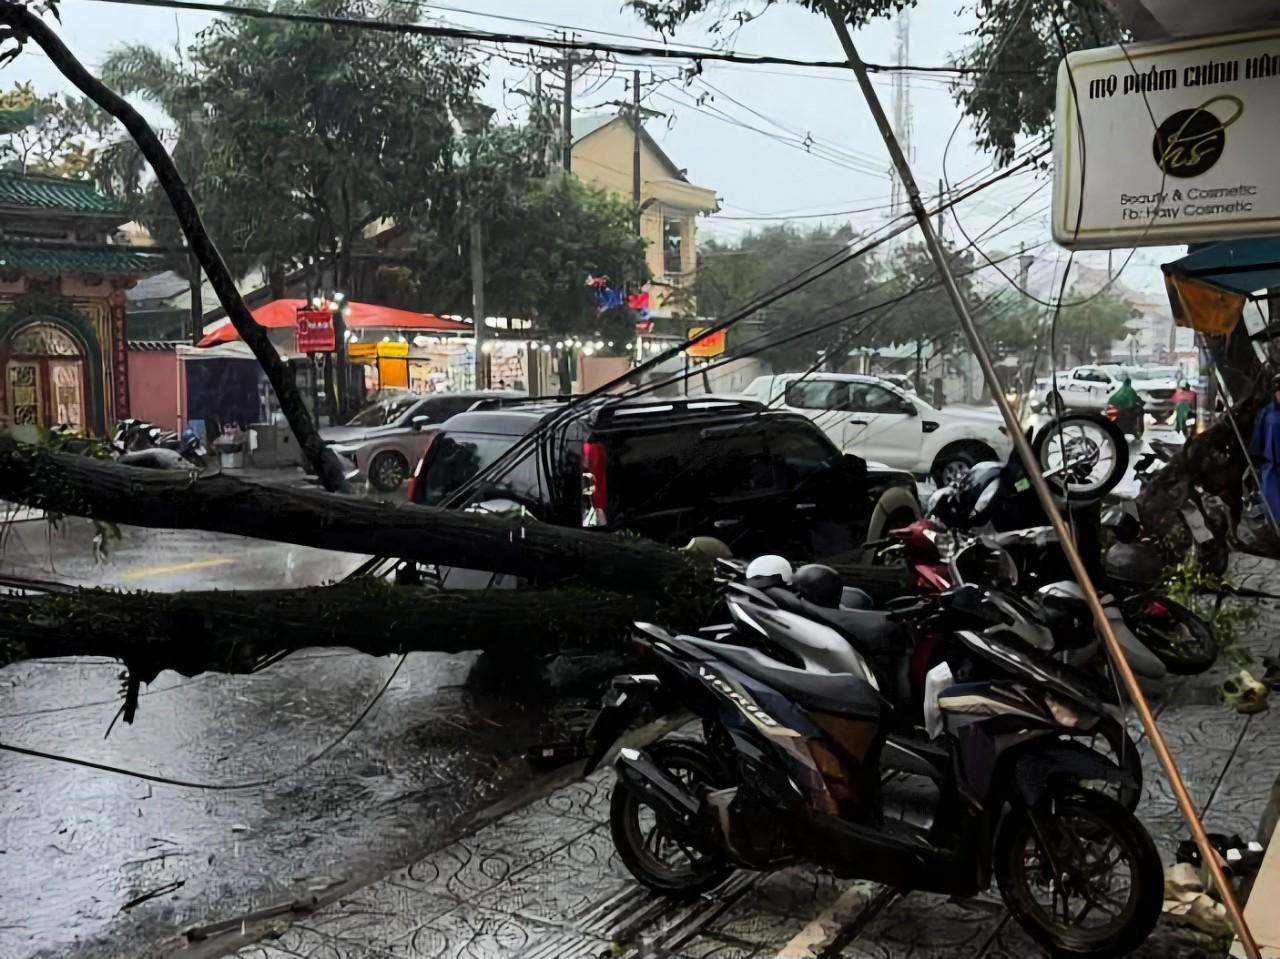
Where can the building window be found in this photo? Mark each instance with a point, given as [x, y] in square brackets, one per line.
[672, 242]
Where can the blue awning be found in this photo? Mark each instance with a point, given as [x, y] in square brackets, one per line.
[1238, 266]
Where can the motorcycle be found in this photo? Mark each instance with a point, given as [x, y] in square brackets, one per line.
[1131, 420]
[1158, 634]
[825, 631]
[135, 439]
[789, 770]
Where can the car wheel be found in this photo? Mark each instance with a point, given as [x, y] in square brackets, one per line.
[388, 471]
[949, 468]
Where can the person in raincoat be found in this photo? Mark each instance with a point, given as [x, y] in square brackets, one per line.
[1184, 401]
[1128, 405]
[1265, 449]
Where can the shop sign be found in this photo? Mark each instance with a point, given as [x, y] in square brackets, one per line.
[708, 346]
[362, 351]
[394, 350]
[315, 331]
[1168, 143]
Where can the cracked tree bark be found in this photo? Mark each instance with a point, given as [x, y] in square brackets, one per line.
[20, 24]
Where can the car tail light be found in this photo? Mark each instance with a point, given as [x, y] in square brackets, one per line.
[415, 478]
[595, 489]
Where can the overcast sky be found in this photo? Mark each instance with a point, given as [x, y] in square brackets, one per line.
[762, 175]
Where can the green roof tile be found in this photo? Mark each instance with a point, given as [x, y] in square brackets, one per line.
[105, 260]
[53, 193]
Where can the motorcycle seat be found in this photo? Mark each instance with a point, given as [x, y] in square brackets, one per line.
[853, 598]
[870, 630]
[842, 694]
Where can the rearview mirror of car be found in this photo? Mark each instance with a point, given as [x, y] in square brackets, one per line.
[419, 420]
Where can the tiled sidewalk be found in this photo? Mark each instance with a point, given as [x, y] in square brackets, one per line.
[544, 882]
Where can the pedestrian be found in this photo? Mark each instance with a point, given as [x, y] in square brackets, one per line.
[1264, 449]
[1184, 401]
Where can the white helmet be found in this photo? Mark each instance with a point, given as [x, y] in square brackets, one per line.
[769, 565]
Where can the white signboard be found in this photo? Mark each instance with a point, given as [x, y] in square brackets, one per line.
[1168, 143]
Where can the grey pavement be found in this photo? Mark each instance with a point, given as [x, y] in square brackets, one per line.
[77, 845]
[545, 882]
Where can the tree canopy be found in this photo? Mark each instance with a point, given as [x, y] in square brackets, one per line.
[297, 137]
[732, 275]
[56, 135]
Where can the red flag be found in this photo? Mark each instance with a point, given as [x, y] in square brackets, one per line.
[638, 301]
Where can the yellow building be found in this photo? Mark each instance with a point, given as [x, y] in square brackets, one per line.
[603, 150]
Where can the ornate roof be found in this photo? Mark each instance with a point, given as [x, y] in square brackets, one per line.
[105, 260]
[53, 193]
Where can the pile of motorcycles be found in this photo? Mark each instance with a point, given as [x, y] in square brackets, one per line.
[988, 679]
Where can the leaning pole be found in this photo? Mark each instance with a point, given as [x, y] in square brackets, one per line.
[1208, 854]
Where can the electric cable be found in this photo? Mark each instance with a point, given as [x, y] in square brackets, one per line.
[215, 787]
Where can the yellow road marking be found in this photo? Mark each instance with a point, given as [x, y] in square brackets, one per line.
[175, 568]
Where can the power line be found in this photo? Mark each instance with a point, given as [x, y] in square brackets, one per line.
[546, 43]
[214, 787]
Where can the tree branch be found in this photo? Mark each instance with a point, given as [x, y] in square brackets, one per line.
[27, 25]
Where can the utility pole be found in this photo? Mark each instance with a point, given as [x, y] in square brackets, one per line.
[566, 115]
[635, 145]
[1208, 855]
[637, 114]
[942, 198]
[477, 303]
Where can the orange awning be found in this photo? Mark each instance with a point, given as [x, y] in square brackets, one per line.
[281, 314]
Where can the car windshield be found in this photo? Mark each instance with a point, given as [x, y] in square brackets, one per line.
[384, 413]
[456, 457]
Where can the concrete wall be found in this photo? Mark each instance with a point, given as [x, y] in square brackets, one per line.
[154, 393]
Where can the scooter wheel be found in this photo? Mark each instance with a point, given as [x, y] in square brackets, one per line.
[650, 854]
[1053, 877]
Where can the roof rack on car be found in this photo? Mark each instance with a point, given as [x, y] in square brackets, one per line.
[680, 406]
[506, 402]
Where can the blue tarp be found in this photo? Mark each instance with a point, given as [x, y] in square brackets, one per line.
[1239, 266]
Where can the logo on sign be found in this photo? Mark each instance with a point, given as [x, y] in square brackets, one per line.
[1189, 142]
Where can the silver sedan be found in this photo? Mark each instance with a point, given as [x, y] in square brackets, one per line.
[385, 439]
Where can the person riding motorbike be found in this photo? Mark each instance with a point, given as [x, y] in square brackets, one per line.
[1126, 409]
[1184, 402]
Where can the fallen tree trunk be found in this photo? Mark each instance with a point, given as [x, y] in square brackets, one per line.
[82, 486]
[237, 632]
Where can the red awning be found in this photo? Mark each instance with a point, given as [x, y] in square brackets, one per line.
[281, 314]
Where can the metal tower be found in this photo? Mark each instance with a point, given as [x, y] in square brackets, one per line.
[902, 125]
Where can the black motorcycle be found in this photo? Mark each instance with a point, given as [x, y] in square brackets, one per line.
[813, 623]
[789, 770]
[992, 496]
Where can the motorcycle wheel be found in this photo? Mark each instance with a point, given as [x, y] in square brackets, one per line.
[656, 859]
[1177, 636]
[1098, 451]
[1066, 897]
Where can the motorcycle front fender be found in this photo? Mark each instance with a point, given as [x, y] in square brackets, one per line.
[1037, 772]
[625, 700]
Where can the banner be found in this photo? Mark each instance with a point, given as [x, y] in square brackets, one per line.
[315, 331]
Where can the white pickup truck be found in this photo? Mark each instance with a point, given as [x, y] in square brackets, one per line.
[885, 424]
[1089, 387]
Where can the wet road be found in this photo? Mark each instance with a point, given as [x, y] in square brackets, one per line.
[78, 845]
